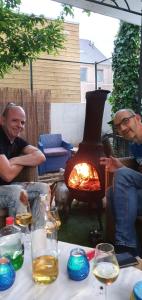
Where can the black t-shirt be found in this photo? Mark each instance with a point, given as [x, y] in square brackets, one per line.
[10, 149]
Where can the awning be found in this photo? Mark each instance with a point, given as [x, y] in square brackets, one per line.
[126, 10]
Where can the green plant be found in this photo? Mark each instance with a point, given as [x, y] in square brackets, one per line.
[24, 37]
[69, 10]
[125, 65]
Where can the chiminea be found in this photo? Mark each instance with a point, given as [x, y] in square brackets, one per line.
[84, 176]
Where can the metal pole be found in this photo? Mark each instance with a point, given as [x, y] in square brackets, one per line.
[31, 76]
[96, 77]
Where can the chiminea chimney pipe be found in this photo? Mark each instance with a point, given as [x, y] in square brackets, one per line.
[95, 101]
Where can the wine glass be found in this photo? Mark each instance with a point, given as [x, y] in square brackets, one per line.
[105, 268]
[24, 217]
[52, 210]
[55, 214]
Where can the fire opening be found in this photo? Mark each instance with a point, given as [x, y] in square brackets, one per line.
[84, 177]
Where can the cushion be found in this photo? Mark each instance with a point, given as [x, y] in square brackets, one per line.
[58, 151]
[51, 140]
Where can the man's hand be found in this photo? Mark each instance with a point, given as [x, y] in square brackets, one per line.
[8, 170]
[111, 163]
[140, 168]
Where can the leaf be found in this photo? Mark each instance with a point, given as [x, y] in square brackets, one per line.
[23, 37]
[125, 65]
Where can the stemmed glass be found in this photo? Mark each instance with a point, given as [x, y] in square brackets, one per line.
[55, 214]
[24, 218]
[51, 209]
[105, 268]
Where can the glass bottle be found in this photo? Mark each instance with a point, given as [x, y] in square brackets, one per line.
[44, 247]
[78, 265]
[10, 243]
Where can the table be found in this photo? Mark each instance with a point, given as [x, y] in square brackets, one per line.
[64, 288]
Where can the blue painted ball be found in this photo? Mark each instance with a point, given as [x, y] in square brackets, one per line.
[7, 274]
[78, 265]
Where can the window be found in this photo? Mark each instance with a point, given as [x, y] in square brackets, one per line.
[100, 75]
[83, 74]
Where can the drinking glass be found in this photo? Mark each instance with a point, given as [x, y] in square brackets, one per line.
[105, 268]
[55, 214]
[24, 218]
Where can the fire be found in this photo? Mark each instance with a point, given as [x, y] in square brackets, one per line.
[84, 177]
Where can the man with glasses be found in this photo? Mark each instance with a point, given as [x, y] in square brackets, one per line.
[15, 154]
[125, 197]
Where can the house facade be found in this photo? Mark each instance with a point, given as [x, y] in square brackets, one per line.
[95, 69]
[60, 74]
[68, 75]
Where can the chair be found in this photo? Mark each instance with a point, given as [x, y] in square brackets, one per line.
[56, 151]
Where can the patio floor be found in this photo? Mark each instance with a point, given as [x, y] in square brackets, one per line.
[50, 177]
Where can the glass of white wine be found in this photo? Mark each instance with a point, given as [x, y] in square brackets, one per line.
[105, 268]
[24, 218]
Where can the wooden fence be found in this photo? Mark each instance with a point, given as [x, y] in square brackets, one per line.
[37, 108]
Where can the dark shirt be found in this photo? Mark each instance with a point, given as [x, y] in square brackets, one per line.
[10, 149]
[136, 150]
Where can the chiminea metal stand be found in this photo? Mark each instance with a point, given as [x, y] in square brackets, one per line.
[90, 150]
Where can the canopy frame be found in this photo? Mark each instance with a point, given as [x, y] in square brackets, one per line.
[116, 5]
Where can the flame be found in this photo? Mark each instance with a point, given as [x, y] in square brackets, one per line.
[84, 177]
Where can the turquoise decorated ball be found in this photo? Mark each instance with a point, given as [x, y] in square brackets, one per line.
[7, 274]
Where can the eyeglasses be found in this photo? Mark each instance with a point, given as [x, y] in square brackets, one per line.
[124, 122]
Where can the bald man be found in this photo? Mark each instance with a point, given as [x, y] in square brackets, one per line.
[125, 197]
[15, 154]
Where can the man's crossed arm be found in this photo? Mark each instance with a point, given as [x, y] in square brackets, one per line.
[9, 169]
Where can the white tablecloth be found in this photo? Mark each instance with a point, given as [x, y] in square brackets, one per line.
[64, 288]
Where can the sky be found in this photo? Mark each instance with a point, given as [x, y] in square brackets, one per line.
[98, 28]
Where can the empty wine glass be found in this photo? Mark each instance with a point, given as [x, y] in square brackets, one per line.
[55, 214]
[105, 268]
